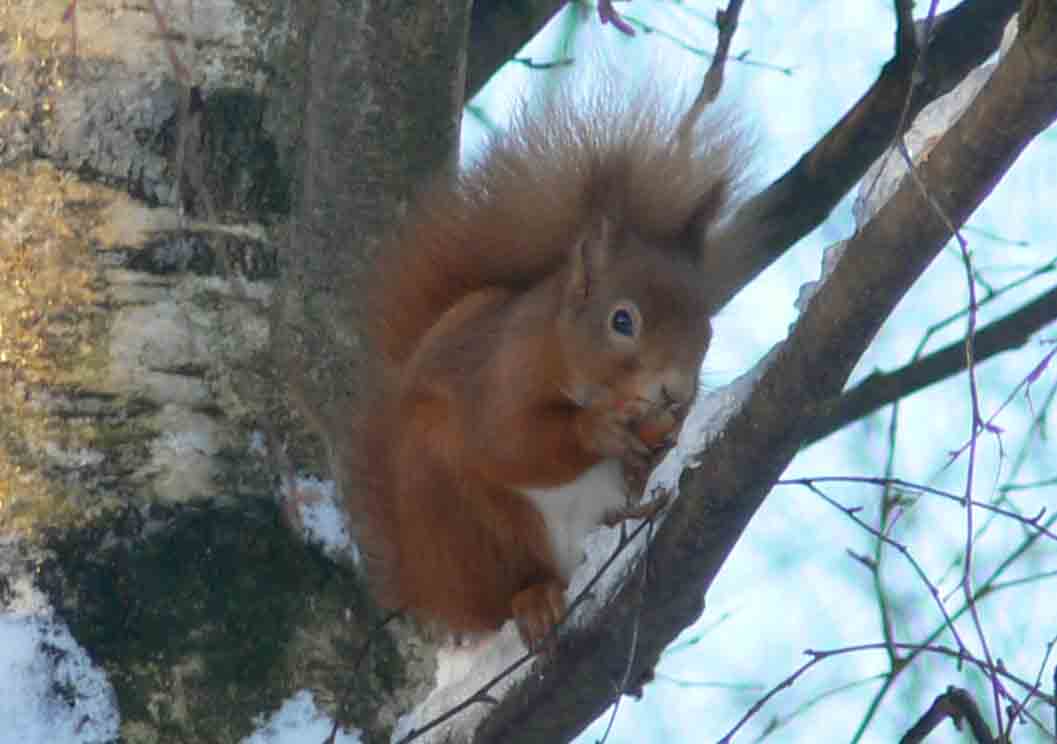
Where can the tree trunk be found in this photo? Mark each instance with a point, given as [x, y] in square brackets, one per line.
[144, 195]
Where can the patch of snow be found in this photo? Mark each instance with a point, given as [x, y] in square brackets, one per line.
[705, 422]
[299, 721]
[830, 256]
[461, 672]
[50, 691]
[886, 175]
[323, 518]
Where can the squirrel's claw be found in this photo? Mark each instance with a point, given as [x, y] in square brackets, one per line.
[537, 611]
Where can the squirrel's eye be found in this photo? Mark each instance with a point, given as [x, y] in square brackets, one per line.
[622, 322]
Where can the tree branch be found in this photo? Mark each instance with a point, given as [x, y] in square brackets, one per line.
[881, 388]
[739, 466]
[769, 223]
[498, 29]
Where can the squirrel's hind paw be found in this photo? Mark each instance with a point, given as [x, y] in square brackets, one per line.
[537, 610]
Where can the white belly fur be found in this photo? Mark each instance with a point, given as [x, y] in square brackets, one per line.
[574, 509]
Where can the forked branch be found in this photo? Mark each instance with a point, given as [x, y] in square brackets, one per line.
[787, 210]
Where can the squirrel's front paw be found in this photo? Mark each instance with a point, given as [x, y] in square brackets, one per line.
[613, 434]
[537, 610]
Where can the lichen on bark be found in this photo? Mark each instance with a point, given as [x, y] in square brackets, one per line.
[135, 379]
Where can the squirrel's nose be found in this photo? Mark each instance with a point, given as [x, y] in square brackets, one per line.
[677, 389]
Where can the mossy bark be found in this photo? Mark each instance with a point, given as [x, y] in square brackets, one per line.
[142, 208]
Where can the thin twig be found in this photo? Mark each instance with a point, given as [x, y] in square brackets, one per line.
[360, 657]
[727, 24]
[1029, 379]
[906, 47]
[957, 705]
[889, 641]
[906, 40]
[817, 656]
[1016, 709]
[481, 695]
[532, 64]
[1035, 523]
[633, 646]
[777, 722]
[989, 587]
[977, 425]
[742, 58]
[884, 388]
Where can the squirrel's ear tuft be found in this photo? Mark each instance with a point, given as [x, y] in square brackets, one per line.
[705, 213]
[709, 206]
[590, 256]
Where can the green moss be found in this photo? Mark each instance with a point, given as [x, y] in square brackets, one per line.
[195, 624]
[244, 170]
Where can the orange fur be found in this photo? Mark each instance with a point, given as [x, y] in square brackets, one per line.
[504, 377]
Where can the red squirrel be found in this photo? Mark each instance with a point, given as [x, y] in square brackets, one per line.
[540, 320]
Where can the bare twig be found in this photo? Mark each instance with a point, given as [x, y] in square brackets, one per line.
[482, 694]
[907, 46]
[957, 705]
[777, 722]
[1035, 430]
[907, 38]
[817, 656]
[758, 705]
[990, 295]
[742, 59]
[1034, 523]
[989, 424]
[360, 657]
[727, 24]
[882, 537]
[976, 426]
[553, 64]
[989, 587]
[881, 389]
[633, 645]
[1016, 709]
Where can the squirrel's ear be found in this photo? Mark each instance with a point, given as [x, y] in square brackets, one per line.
[590, 256]
[707, 210]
